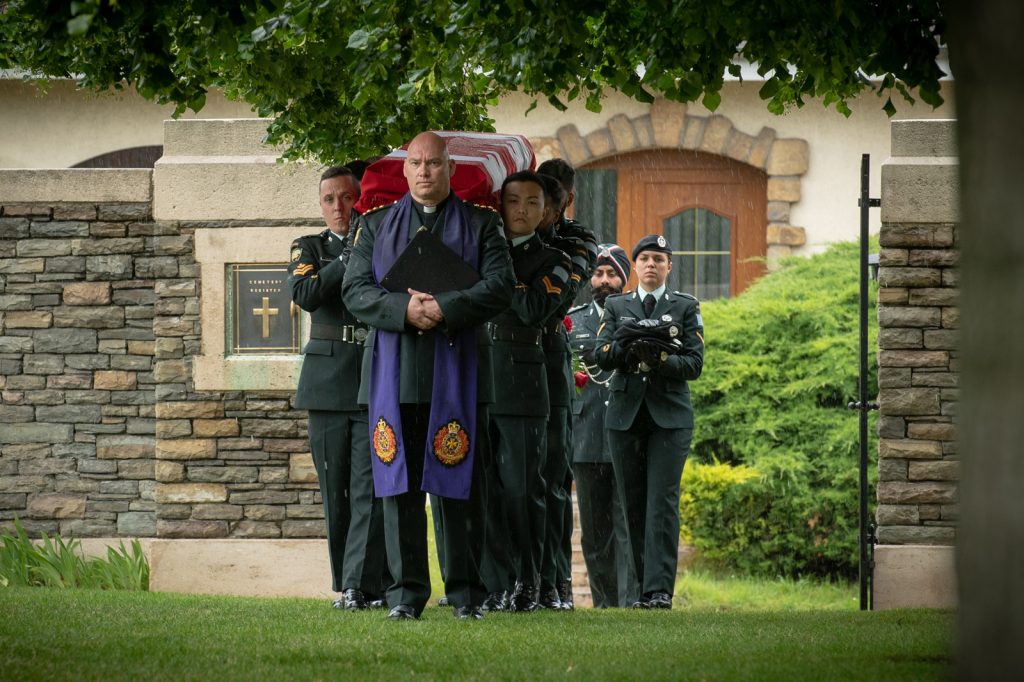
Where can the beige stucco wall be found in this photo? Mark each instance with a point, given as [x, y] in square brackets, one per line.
[66, 125]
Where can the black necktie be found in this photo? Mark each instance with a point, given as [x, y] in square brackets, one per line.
[648, 305]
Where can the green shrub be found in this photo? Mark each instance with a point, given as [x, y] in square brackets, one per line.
[781, 363]
[54, 563]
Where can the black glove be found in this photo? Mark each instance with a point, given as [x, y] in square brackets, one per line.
[648, 351]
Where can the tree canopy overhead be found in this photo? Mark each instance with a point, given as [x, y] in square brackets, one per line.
[345, 78]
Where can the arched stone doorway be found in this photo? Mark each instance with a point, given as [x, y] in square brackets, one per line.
[668, 127]
[711, 208]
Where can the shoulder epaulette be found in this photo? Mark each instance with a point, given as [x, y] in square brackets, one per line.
[578, 308]
[624, 294]
[377, 208]
[685, 295]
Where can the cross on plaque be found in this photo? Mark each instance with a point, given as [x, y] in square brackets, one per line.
[266, 312]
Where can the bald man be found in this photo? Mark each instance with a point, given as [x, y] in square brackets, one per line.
[426, 378]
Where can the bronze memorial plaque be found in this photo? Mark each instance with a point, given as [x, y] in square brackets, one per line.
[265, 321]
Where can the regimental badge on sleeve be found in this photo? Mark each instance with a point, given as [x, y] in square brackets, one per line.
[296, 252]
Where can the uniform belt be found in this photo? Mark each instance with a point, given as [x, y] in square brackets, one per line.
[348, 333]
[500, 332]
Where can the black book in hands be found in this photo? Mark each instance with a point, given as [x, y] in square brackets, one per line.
[428, 265]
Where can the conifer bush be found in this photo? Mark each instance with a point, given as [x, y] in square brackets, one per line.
[771, 485]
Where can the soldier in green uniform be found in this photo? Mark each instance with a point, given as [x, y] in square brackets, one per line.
[521, 406]
[649, 418]
[426, 378]
[602, 522]
[581, 246]
[328, 387]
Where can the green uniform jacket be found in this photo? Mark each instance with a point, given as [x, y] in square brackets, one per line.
[663, 388]
[465, 309]
[520, 379]
[590, 402]
[330, 370]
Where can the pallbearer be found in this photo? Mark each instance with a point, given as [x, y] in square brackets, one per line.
[577, 241]
[520, 411]
[328, 387]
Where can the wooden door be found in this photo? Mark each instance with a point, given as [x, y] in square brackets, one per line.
[710, 208]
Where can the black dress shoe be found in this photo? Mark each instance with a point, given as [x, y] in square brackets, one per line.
[522, 599]
[549, 598]
[443, 601]
[496, 601]
[375, 603]
[659, 600]
[402, 612]
[468, 613]
[641, 603]
[353, 600]
[565, 594]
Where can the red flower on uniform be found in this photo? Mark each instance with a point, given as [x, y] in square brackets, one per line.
[581, 379]
[567, 323]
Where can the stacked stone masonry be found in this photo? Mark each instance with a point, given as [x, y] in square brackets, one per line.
[918, 363]
[77, 366]
[102, 432]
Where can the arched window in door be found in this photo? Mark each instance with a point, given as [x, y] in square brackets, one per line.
[701, 253]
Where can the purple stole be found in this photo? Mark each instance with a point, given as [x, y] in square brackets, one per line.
[451, 431]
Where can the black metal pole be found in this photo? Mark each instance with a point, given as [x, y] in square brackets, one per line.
[865, 203]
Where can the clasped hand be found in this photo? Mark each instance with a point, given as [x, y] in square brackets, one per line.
[423, 311]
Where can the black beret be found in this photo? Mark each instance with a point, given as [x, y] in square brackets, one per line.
[652, 242]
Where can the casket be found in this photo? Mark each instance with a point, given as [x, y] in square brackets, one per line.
[482, 162]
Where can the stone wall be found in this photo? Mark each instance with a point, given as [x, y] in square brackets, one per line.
[918, 372]
[103, 430]
[77, 376]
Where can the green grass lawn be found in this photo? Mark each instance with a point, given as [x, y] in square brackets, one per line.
[51, 634]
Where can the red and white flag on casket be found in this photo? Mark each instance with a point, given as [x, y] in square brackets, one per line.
[482, 162]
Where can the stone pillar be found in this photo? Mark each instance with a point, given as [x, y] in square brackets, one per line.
[918, 373]
[232, 458]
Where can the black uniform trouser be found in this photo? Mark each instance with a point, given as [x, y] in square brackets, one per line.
[405, 519]
[603, 536]
[556, 464]
[340, 445]
[648, 462]
[519, 450]
[563, 560]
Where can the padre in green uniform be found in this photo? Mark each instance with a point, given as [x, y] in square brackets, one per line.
[649, 418]
[426, 376]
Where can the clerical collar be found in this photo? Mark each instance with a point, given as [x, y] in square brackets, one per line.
[424, 209]
[658, 293]
[516, 241]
